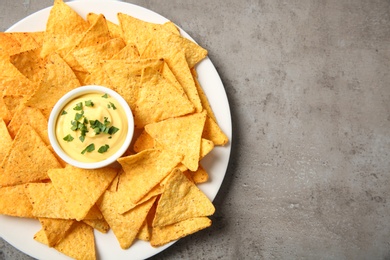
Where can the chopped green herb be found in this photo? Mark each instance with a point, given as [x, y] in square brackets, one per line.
[113, 130]
[82, 138]
[111, 105]
[89, 148]
[78, 116]
[68, 138]
[89, 103]
[103, 148]
[105, 95]
[63, 112]
[79, 106]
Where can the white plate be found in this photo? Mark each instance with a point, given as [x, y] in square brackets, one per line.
[19, 232]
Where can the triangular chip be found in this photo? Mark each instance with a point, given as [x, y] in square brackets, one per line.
[181, 200]
[181, 135]
[81, 188]
[158, 99]
[31, 116]
[125, 226]
[30, 64]
[166, 234]
[79, 243]
[28, 159]
[5, 139]
[115, 29]
[213, 132]
[58, 79]
[46, 201]
[14, 202]
[55, 229]
[143, 170]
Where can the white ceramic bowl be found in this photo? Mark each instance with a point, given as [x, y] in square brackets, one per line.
[57, 109]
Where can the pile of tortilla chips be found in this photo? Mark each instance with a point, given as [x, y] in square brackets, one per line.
[152, 194]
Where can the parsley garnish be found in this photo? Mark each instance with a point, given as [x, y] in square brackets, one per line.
[68, 138]
[105, 96]
[103, 148]
[111, 105]
[63, 112]
[89, 148]
[78, 107]
[88, 103]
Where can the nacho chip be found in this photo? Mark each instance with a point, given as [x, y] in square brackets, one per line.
[79, 243]
[157, 100]
[55, 229]
[99, 224]
[64, 28]
[213, 132]
[181, 200]
[142, 172]
[31, 116]
[129, 52]
[5, 140]
[28, 159]
[166, 234]
[125, 226]
[58, 79]
[14, 202]
[81, 188]
[5, 114]
[115, 29]
[46, 201]
[30, 64]
[180, 135]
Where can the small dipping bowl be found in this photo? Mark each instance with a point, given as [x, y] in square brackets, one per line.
[78, 92]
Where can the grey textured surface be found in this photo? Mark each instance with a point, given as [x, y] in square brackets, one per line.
[309, 88]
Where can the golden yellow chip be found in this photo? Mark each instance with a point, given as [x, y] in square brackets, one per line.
[157, 100]
[115, 29]
[199, 176]
[213, 132]
[31, 116]
[58, 80]
[144, 141]
[181, 135]
[166, 234]
[99, 224]
[142, 172]
[14, 202]
[60, 34]
[30, 64]
[46, 201]
[144, 232]
[5, 114]
[130, 52]
[28, 160]
[72, 184]
[55, 229]
[5, 139]
[27, 42]
[90, 57]
[125, 226]
[79, 243]
[181, 200]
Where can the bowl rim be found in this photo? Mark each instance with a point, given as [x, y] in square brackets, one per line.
[64, 100]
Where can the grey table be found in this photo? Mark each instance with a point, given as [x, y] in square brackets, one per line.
[309, 88]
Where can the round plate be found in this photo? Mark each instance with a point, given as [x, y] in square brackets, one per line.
[19, 232]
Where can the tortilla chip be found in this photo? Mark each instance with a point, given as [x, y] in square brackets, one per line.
[143, 142]
[5, 139]
[180, 135]
[5, 114]
[31, 116]
[81, 188]
[64, 28]
[157, 100]
[125, 226]
[144, 232]
[129, 52]
[200, 176]
[30, 64]
[90, 57]
[214, 133]
[14, 202]
[55, 229]
[58, 79]
[181, 200]
[27, 42]
[115, 29]
[142, 172]
[28, 159]
[79, 243]
[99, 224]
[166, 234]
[46, 201]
